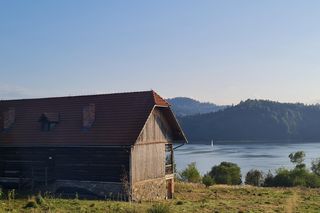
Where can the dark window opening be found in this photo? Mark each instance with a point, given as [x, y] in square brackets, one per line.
[169, 159]
[47, 126]
[49, 121]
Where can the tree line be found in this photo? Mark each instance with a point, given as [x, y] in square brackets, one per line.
[230, 173]
[256, 120]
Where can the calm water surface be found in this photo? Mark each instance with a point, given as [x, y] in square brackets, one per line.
[248, 156]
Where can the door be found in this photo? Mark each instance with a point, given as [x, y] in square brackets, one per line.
[169, 184]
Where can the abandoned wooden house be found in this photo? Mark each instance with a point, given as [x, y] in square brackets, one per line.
[101, 145]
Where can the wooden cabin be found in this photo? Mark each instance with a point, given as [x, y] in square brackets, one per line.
[113, 145]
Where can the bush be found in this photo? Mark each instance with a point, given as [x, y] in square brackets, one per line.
[294, 177]
[268, 181]
[313, 181]
[299, 176]
[282, 178]
[159, 208]
[315, 166]
[226, 173]
[254, 177]
[207, 180]
[191, 174]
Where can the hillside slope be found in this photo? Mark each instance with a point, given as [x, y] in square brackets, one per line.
[256, 120]
[186, 106]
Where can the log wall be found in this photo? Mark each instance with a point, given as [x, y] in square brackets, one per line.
[83, 163]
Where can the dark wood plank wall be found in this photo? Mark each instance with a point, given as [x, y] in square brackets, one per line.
[82, 163]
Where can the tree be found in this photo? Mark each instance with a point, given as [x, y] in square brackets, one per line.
[254, 177]
[282, 178]
[298, 158]
[268, 181]
[207, 180]
[299, 176]
[315, 166]
[191, 173]
[226, 173]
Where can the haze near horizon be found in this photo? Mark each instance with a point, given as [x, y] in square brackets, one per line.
[213, 51]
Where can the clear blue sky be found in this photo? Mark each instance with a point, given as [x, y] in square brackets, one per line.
[219, 51]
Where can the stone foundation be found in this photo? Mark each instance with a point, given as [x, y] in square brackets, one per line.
[149, 190]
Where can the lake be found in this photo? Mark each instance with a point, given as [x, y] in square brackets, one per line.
[248, 156]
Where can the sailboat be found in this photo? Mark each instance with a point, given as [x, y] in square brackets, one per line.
[211, 143]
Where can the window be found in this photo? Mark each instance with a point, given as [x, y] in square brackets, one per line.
[49, 121]
[88, 116]
[9, 117]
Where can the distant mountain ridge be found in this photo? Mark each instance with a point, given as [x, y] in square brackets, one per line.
[183, 106]
[256, 120]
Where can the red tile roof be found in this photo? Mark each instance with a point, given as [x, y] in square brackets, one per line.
[119, 119]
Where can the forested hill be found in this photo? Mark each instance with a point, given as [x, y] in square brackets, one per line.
[186, 106]
[256, 120]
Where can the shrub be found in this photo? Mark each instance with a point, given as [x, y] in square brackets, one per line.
[159, 208]
[191, 174]
[299, 176]
[1, 192]
[295, 177]
[268, 181]
[315, 166]
[254, 177]
[313, 180]
[226, 173]
[207, 180]
[282, 178]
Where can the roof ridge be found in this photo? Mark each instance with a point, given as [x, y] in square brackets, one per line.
[158, 100]
[77, 96]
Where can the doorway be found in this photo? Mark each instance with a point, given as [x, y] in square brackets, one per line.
[169, 184]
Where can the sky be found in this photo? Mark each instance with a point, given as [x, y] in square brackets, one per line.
[218, 51]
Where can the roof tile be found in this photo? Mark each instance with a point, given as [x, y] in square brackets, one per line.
[119, 119]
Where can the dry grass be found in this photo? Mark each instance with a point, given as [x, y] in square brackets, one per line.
[191, 198]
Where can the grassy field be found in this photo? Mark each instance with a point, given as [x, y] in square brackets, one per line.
[188, 198]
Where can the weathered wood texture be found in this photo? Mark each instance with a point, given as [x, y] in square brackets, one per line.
[86, 163]
[156, 129]
[148, 155]
[148, 162]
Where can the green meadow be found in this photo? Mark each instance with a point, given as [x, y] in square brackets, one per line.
[188, 198]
